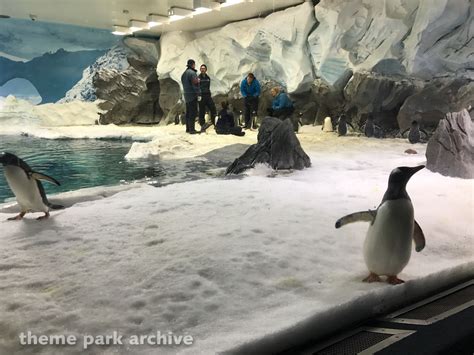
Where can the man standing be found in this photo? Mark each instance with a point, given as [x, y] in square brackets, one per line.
[191, 90]
[250, 90]
[206, 99]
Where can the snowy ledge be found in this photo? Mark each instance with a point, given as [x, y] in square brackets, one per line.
[231, 262]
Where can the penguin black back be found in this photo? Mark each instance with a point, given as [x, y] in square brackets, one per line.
[369, 127]
[11, 159]
[342, 125]
[414, 135]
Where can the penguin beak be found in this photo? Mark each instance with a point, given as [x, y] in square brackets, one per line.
[412, 171]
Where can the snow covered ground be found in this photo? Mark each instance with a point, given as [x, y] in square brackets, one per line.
[229, 261]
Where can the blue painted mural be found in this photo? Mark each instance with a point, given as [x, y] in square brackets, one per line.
[41, 61]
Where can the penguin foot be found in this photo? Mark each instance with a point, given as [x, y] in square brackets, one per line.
[46, 215]
[372, 278]
[394, 280]
[18, 217]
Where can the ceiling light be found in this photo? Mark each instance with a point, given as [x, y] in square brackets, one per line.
[178, 13]
[203, 6]
[121, 30]
[155, 20]
[136, 25]
[233, 2]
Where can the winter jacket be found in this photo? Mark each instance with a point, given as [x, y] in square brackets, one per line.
[190, 82]
[225, 121]
[205, 84]
[250, 90]
[281, 101]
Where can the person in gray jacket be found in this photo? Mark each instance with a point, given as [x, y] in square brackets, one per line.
[192, 95]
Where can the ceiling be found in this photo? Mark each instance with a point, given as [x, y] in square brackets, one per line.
[104, 14]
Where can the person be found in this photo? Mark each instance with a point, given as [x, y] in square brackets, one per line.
[250, 90]
[226, 124]
[206, 99]
[282, 106]
[192, 94]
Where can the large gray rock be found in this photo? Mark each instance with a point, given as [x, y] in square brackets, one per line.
[450, 150]
[130, 96]
[379, 95]
[170, 100]
[277, 146]
[435, 100]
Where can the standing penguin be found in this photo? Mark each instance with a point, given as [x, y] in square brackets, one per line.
[342, 125]
[414, 134]
[387, 246]
[371, 129]
[25, 185]
[327, 125]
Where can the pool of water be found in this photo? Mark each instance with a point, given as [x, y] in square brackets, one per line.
[78, 163]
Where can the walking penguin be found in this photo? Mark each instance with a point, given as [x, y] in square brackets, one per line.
[387, 246]
[26, 186]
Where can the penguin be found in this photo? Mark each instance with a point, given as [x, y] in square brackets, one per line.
[371, 129]
[327, 125]
[387, 245]
[414, 134]
[342, 125]
[26, 186]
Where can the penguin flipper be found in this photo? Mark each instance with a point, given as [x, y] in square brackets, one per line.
[418, 237]
[39, 176]
[362, 216]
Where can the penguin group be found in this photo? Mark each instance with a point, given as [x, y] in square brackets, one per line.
[26, 186]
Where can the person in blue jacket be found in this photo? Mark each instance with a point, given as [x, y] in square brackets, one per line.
[282, 106]
[250, 90]
[192, 94]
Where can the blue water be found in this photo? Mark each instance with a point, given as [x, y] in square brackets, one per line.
[78, 163]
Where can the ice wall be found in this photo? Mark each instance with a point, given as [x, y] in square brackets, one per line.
[274, 47]
[423, 37]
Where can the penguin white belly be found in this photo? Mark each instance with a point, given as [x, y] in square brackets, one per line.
[387, 246]
[26, 190]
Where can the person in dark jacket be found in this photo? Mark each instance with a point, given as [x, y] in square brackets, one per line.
[282, 106]
[250, 90]
[206, 99]
[226, 124]
[192, 94]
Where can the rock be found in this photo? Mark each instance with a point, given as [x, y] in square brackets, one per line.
[277, 146]
[147, 49]
[450, 150]
[330, 100]
[380, 95]
[170, 100]
[411, 151]
[435, 100]
[84, 90]
[130, 96]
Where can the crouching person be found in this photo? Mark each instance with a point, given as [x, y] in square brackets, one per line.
[225, 124]
[282, 106]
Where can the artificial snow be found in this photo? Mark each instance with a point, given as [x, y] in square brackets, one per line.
[253, 260]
